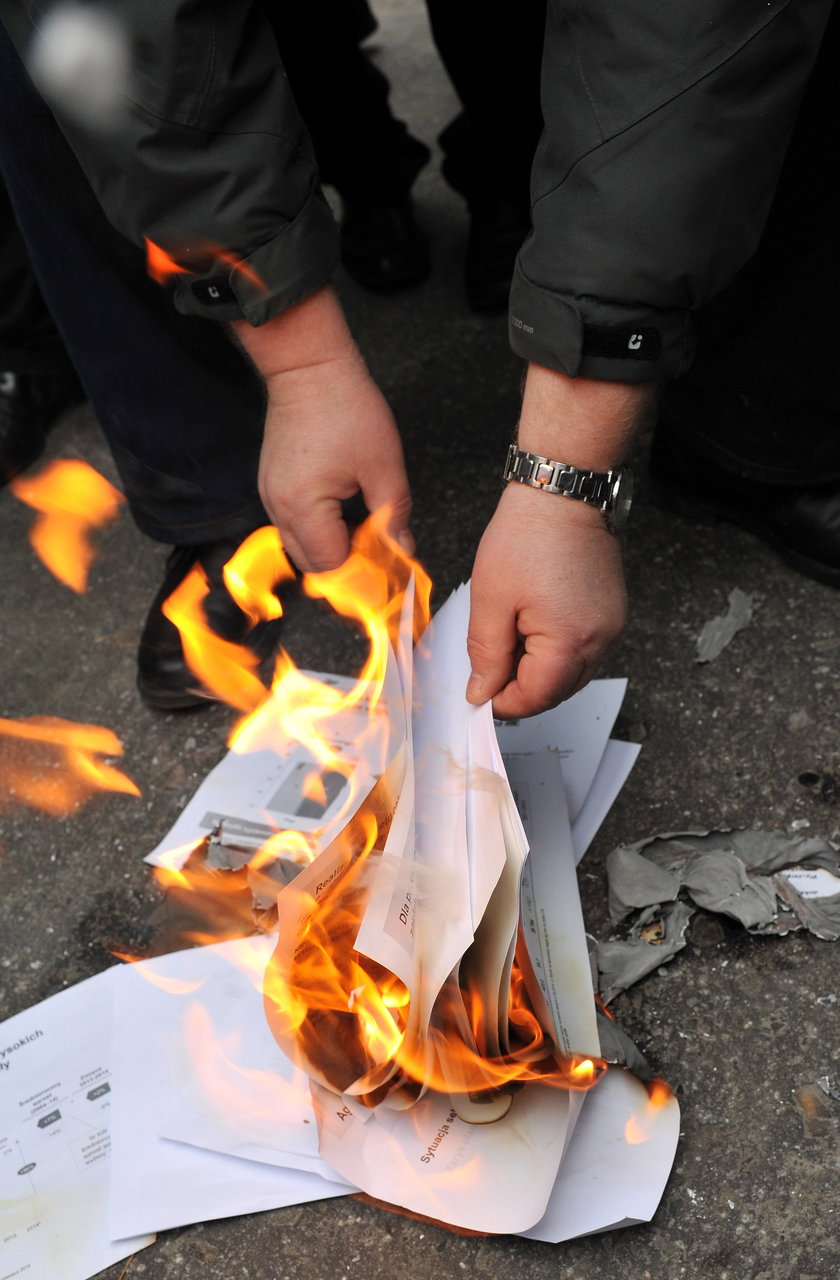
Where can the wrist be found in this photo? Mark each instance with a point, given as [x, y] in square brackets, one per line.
[581, 421]
[609, 492]
[312, 332]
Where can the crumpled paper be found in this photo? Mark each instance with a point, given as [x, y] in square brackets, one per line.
[656, 884]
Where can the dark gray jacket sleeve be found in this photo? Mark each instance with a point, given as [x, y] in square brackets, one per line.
[666, 123]
[209, 158]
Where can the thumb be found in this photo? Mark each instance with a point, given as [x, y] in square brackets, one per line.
[492, 644]
[318, 541]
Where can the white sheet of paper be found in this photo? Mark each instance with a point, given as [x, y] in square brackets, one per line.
[550, 908]
[578, 729]
[612, 773]
[155, 1180]
[812, 882]
[236, 1092]
[55, 1096]
[455, 893]
[469, 1175]
[605, 1181]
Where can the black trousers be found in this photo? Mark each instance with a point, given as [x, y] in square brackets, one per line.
[29, 341]
[180, 407]
[492, 52]
[362, 148]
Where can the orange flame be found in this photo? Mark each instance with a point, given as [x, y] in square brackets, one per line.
[227, 669]
[73, 500]
[639, 1126]
[239, 264]
[54, 764]
[172, 986]
[345, 1020]
[161, 267]
[252, 574]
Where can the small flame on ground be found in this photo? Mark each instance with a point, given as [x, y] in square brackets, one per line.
[73, 500]
[55, 765]
[640, 1125]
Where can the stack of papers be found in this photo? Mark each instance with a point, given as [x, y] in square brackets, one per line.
[209, 1118]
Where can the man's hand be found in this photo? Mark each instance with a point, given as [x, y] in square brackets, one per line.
[547, 602]
[547, 594]
[329, 433]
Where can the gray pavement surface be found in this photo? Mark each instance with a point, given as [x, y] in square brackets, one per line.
[740, 1026]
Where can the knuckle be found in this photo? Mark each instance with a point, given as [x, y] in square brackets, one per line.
[482, 653]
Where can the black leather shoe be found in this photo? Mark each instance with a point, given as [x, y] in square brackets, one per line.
[496, 235]
[164, 680]
[801, 523]
[382, 247]
[29, 404]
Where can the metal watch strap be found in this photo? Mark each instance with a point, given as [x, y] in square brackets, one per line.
[598, 488]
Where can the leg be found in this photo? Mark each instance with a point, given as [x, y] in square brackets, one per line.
[752, 431]
[180, 407]
[363, 150]
[492, 53]
[36, 378]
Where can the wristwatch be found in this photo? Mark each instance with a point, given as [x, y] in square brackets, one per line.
[610, 491]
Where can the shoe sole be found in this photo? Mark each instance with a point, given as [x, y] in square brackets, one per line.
[174, 699]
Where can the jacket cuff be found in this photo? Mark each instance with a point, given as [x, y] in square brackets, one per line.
[300, 259]
[587, 338]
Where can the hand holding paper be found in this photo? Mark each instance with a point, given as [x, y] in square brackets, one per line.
[548, 602]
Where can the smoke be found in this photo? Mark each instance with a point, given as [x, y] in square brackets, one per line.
[80, 61]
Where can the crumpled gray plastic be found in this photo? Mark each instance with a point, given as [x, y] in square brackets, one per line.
[734, 873]
[619, 1049]
[656, 935]
[719, 632]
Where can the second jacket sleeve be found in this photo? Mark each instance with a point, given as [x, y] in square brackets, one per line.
[666, 123]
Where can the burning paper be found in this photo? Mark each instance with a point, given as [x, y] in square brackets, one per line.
[415, 980]
[400, 982]
[189, 1144]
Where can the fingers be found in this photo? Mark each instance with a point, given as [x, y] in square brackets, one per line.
[309, 515]
[317, 538]
[539, 683]
[523, 675]
[385, 485]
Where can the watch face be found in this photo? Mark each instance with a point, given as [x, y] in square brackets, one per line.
[622, 498]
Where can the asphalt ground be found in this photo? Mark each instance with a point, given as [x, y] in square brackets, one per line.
[742, 1027]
